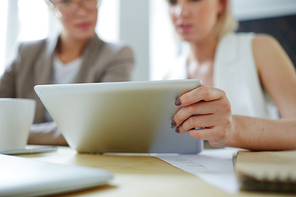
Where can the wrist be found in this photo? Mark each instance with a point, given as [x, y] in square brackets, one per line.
[231, 138]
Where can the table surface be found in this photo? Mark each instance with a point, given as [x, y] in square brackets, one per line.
[139, 175]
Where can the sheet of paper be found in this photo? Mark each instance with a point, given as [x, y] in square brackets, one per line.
[213, 166]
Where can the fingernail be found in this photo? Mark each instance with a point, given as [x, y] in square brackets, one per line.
[178, 102]
[177, 130]
[174, 123]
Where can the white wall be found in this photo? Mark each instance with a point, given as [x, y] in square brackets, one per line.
[163, 46]
[257, 9]
[134, 29]
[12, 28]
[108, 20]
[3, 23]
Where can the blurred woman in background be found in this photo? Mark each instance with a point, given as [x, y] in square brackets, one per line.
[75, 55]
[247, 78]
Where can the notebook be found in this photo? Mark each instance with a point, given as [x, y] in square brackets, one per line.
[120, 117]
[28, 177]
[267, 170]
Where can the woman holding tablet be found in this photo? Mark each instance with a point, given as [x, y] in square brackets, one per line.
[74, 55]
[249, 81]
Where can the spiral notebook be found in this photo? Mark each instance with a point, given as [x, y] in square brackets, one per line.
[267, 171]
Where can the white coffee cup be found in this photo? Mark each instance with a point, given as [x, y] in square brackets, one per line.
[16, 117]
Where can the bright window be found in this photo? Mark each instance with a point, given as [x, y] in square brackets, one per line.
[33, 20]
[163, 45]
[108, 20]
[3, 24]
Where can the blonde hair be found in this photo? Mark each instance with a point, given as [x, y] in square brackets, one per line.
[226, 22]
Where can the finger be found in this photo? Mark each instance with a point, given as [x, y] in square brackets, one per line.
[201, 134]
[186, 112]
[203, 93]
[214, 137]
[200, 108]
[204, 121]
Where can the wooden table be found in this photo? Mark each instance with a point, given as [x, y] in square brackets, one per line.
[138, 176]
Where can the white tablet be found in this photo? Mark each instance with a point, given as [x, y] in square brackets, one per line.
[34, 150]
[28, 177]
[129, 117]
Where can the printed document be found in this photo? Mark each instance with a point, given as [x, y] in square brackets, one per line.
[213, 166]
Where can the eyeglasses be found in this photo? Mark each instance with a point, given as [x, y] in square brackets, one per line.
[68, 8]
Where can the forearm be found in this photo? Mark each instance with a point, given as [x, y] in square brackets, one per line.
[263, 134]
[46, 134]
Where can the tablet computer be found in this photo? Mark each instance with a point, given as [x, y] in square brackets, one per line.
[29, 177]
[123, 117]
[30, 150]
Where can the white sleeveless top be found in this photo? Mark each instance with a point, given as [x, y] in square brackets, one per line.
[235, 72]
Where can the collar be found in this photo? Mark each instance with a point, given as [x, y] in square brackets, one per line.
[44, 68]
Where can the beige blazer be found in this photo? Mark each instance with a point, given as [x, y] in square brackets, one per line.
[33, 65]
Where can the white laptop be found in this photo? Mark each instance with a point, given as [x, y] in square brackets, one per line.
[121, 117]
[28, 177]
